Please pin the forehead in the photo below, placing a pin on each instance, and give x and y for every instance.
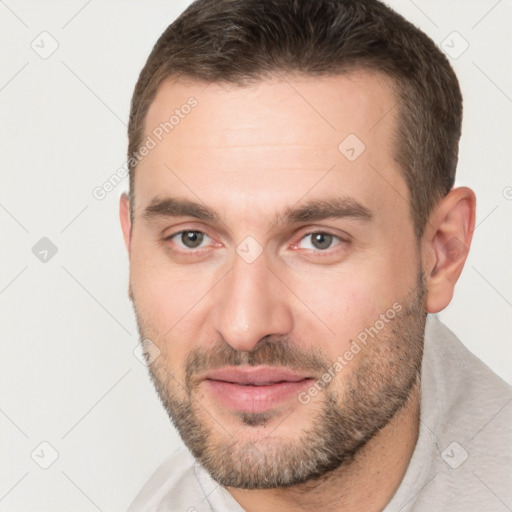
(275, 138)
(328, 106)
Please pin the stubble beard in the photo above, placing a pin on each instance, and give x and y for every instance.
(378, 387)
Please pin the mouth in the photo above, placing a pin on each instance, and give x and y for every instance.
(255, 389)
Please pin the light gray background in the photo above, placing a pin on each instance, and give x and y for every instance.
(69, 376)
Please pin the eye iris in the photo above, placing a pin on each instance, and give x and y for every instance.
(192, 239)
(321, 240)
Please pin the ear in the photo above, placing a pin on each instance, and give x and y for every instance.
(445, 245)
(124, 217)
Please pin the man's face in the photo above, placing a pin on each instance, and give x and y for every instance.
(299, 265)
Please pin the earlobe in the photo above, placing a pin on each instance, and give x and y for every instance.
(447, 241)
(124, 217)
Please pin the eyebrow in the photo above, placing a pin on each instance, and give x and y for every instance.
(174, 207)
(332, 208)
(311, 211)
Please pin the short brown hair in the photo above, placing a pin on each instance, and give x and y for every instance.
(243, 41)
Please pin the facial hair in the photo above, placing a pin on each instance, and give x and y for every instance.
(380, 384)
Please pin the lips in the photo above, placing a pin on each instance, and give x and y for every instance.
(255, 376)
(254, 389)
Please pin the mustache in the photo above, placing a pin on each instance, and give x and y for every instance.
(279, 351)
(269, 352)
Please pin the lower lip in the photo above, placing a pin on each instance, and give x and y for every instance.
(255, 398)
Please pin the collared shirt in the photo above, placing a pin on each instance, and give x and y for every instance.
(462, 461)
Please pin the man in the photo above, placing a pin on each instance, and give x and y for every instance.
(292, 229)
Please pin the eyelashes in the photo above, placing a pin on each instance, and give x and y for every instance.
(193, 241)
(189, 236)
(320, 238)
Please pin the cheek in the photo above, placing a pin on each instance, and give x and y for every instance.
(340, 304)
(334, 307)
(169, 302)
(159, 297)
(166, 318)
(166, 302)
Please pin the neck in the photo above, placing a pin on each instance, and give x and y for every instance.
(367, 483)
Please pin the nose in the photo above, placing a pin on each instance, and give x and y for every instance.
(252, 303)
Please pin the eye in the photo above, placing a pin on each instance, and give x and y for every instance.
(318, 241)
(188, 239)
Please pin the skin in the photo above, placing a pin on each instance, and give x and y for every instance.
(248, 154)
